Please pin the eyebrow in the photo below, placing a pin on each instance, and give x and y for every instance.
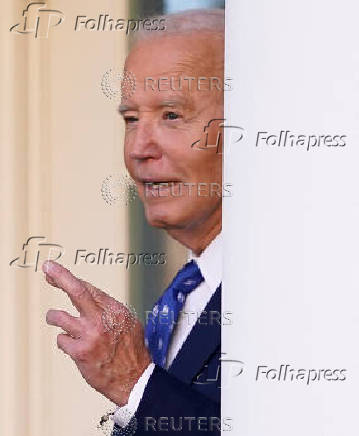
(172, 103)
(166, 103)
(125, 107)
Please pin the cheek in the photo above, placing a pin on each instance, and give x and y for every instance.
(180, 140)
(126, 155)
(206, 165)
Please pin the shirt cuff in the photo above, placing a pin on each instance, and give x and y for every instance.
(123, 415)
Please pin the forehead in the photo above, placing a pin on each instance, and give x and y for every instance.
(160, 64)
(176, 53)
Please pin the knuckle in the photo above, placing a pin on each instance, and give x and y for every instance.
(95, 337)
(51, 316)
(80, 291)
(60, 340)
(82, 352)
(60, 315)
(89, 288)
(79, 355)
(83, 324)
(56, 316)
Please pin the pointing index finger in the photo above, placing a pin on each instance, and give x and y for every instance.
(76, 290)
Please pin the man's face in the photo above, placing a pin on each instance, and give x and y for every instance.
(162, 124)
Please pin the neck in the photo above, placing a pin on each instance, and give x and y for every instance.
(198, 238)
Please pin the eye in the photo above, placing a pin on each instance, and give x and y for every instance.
(170, 115)
(130, 119)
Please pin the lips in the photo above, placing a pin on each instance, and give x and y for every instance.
(161, 188)
(162, 183)
(156, 180)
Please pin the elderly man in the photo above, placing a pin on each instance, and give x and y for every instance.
(165, 377)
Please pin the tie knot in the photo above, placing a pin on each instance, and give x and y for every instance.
(187, 278)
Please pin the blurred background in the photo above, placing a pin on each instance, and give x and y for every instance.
(60, 139)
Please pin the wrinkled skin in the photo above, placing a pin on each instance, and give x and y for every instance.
(110, 361)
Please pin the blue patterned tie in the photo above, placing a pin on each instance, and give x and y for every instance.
(165, 313)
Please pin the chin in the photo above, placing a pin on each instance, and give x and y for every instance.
(166, 216)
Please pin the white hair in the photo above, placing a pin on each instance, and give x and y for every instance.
(198, 20)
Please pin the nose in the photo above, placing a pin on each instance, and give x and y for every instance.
(143, 143)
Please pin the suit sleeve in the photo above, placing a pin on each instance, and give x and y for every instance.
(169, 405)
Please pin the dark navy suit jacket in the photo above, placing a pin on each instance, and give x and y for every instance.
(185, 399)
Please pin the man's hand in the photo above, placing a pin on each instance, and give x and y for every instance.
(106, 341)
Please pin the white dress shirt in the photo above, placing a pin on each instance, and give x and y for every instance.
(210, 264)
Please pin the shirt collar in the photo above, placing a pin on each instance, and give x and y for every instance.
(210, 262)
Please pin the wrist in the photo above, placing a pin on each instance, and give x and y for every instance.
(119, 391)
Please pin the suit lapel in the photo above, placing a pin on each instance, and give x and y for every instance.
(200, 344)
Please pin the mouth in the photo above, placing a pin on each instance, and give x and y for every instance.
(160, 188)
(156, 180)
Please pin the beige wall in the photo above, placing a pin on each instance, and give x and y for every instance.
(60, 137)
